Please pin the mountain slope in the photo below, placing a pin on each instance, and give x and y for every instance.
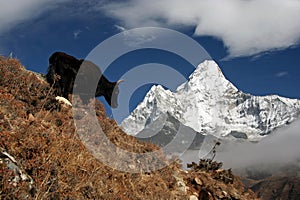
(210, 104)
(43, 157)
(278, 187)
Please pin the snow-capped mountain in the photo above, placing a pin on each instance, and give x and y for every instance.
(210, 104)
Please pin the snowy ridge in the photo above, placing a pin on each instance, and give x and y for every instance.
(210, 104)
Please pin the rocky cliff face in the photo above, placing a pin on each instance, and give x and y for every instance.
(42, 157)
(209, 104)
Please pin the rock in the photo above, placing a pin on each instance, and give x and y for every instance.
(31, 118)
(224, 193)
(193, 197)
(131, 166)
(181, 186)
(198, 181)
(19, 173)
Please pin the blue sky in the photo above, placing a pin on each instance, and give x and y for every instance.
(256, 42)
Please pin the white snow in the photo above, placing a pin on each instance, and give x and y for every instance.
(209, 103)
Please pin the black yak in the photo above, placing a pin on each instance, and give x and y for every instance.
(62, 73)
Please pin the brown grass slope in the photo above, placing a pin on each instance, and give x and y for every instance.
(40, 134)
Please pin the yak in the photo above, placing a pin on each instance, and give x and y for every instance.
(62, 72)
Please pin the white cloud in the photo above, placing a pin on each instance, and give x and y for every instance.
(281, 74)
(76, 34)
(120, 28)
(13, 12)
(246, 27)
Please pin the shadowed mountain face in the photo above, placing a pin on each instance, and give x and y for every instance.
(167, 129)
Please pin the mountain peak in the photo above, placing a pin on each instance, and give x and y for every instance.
(210, 104)
(208, 67)
(208, 78)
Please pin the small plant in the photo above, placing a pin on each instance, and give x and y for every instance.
(214, 149)
(214, 167)
(205, 165)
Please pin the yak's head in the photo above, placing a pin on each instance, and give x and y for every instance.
(110, 91)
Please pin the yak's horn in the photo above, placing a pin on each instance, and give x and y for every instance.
(120, 81)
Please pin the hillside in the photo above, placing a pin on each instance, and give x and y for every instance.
(42, 157)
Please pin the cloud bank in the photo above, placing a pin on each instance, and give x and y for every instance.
(280, 148)
(276, 153)
(246, 27)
